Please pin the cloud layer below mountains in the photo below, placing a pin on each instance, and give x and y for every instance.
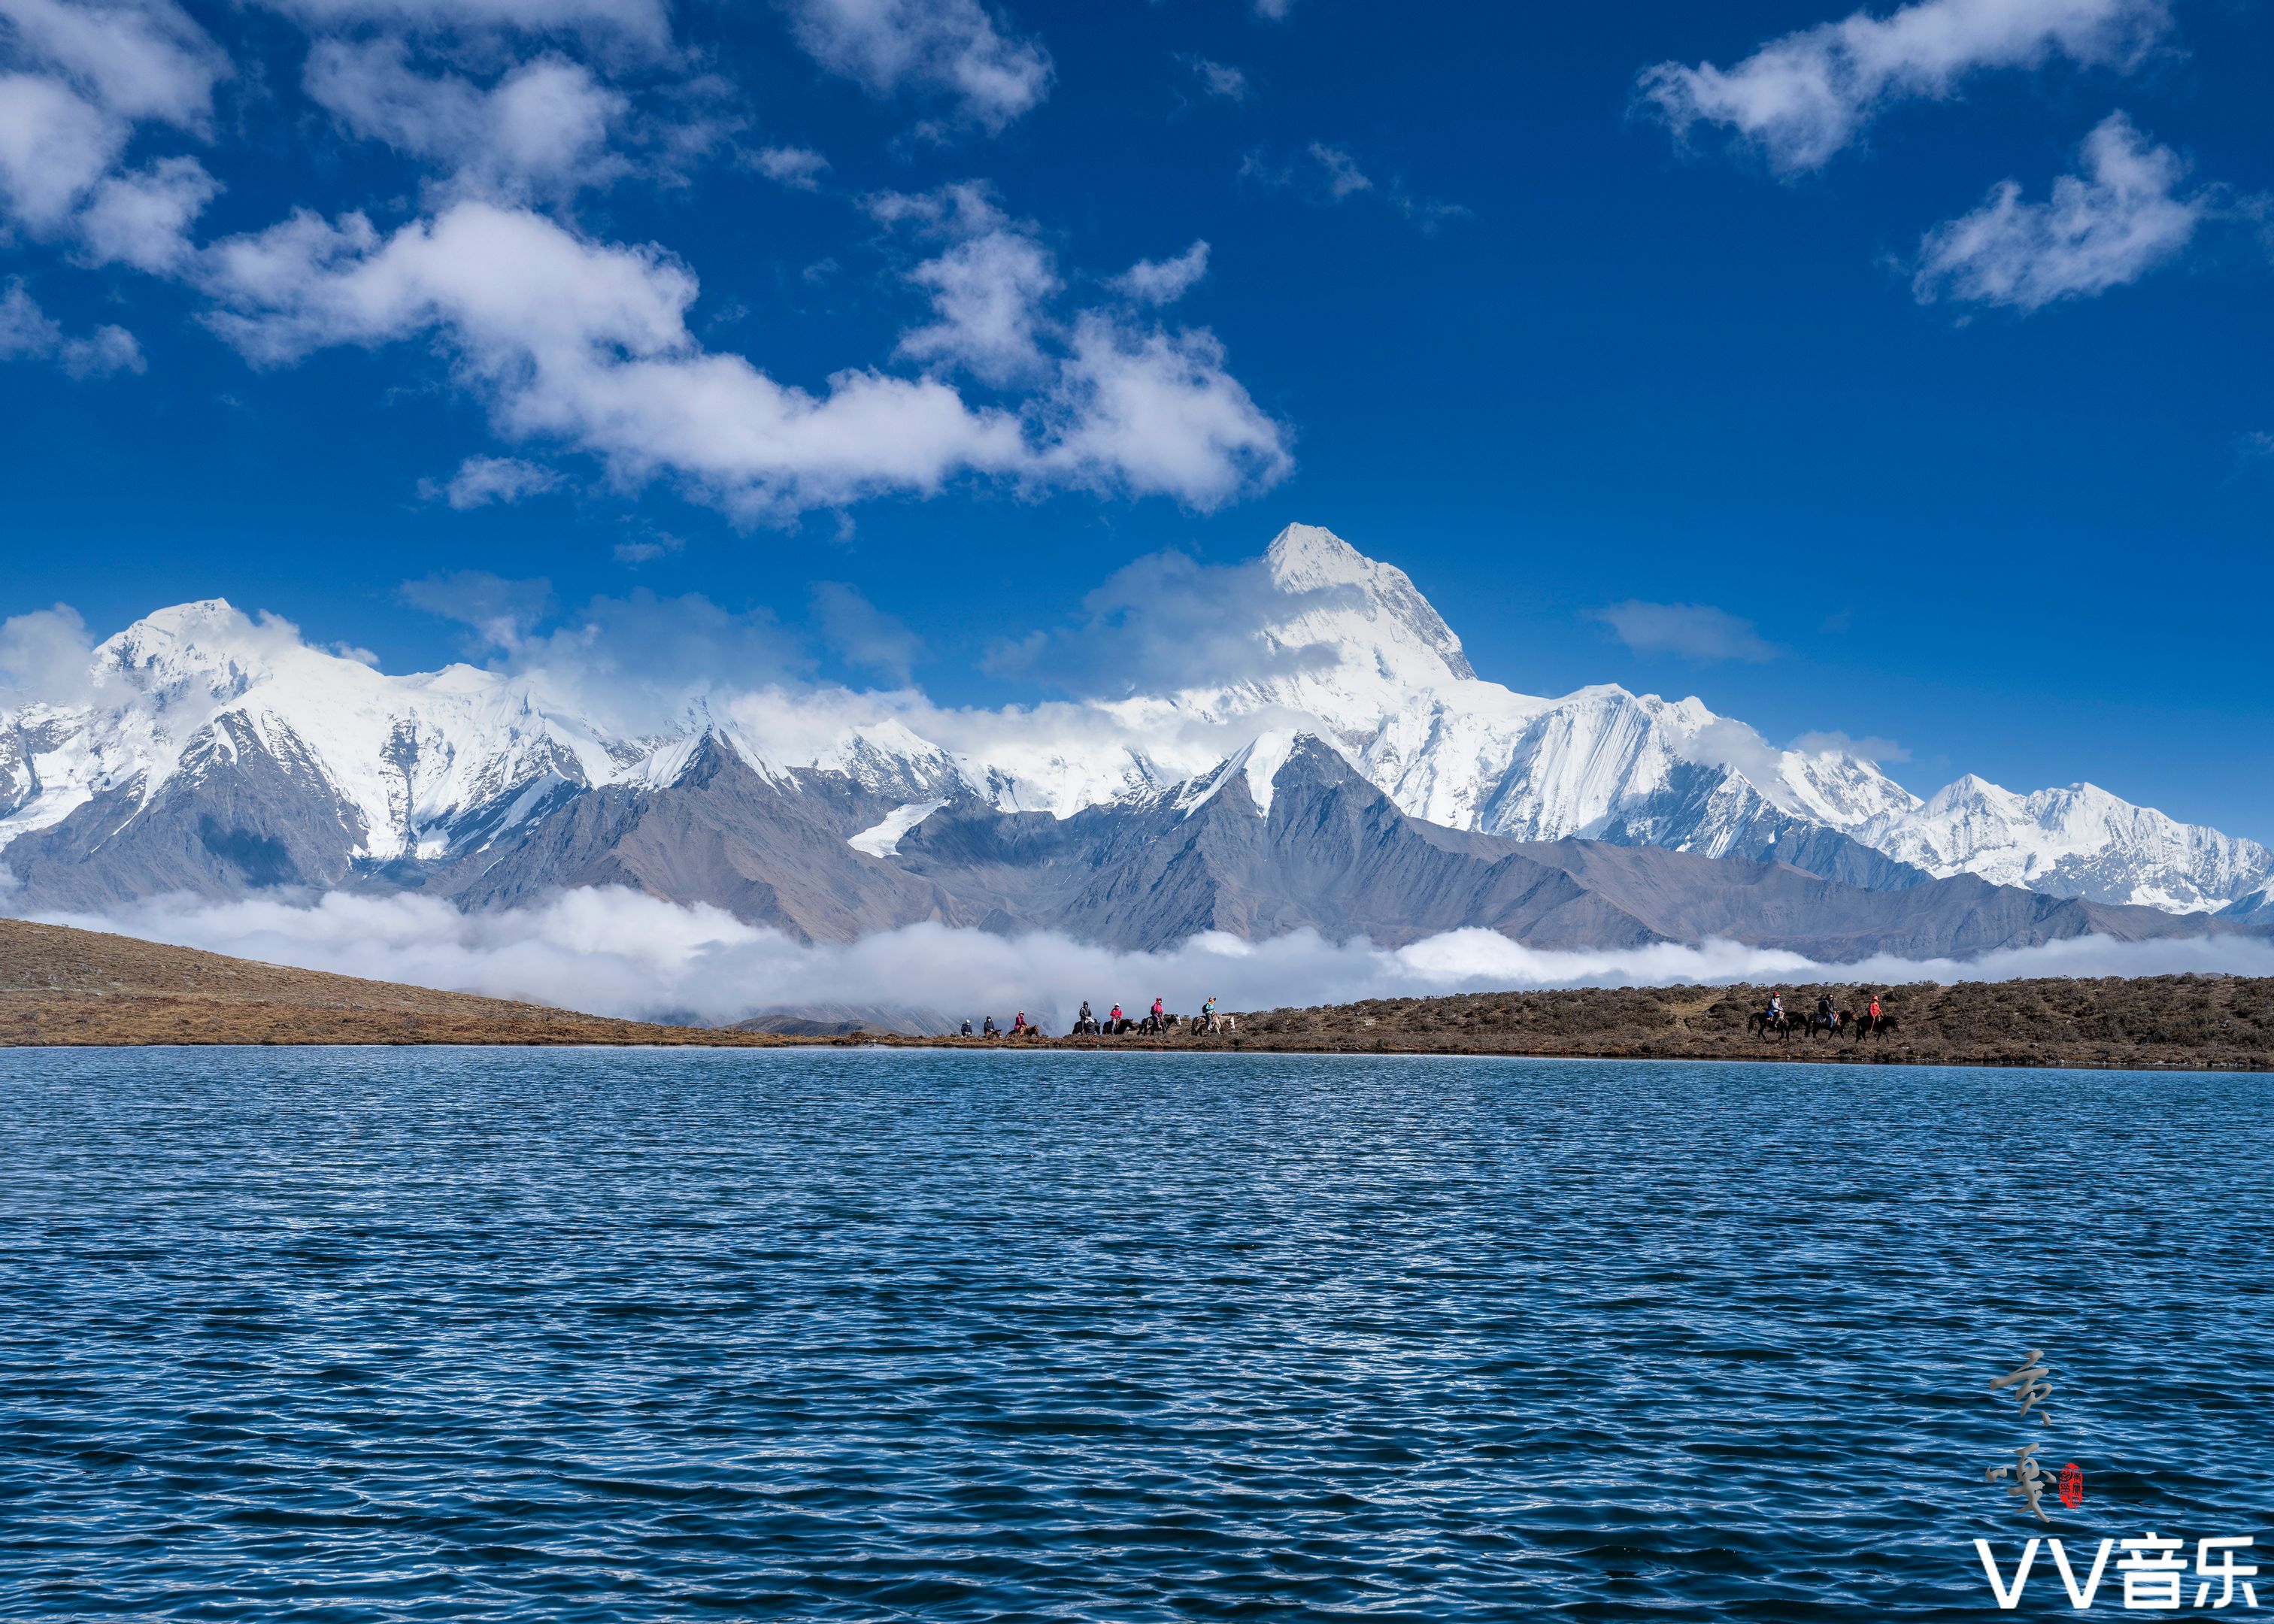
(618, 952)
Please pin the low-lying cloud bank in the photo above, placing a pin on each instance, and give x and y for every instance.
(618, 953)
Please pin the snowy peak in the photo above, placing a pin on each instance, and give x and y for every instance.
(1368, 612)
(1330, 645)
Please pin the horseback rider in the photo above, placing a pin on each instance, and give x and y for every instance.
(1824, 1010)
(1776, 1007)
(1113, 1021)
(1082, 1022)
(1154, 1018)
(1208, 1014)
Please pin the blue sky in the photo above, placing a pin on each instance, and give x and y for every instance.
(1901, 372)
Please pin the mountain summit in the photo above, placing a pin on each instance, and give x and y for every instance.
(209, 751)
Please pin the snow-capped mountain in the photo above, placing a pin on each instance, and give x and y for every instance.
(206, 750)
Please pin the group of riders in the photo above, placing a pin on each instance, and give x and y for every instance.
(1155, 1022)
(1825, 1019)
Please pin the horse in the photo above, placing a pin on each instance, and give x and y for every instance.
(1761, 1023)
(1877, 1029)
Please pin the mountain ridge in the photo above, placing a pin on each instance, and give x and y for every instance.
(212, 752)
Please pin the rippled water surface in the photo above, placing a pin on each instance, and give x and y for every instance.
(372, 1335)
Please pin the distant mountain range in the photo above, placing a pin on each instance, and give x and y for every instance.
(1354, 774)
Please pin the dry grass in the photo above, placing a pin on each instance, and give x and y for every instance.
(2169, 1022)
(81, 987)
(77, 987)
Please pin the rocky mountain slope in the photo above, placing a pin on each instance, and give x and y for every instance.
(207, 752)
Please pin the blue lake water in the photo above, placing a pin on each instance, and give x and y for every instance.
(388, 1335)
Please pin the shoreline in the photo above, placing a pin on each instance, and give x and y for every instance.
(665, 1040)
(66, 988)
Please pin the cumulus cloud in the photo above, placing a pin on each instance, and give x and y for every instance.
(75, 83)
(621, 953)
(481, 480)
(643, 22)
(1158, 413)
(543, 128)
(1691, 631)
(585, 344)
(143, 218)
(953, 50)
(136, 59)
(46, 657)
(798, 168)
(28, 333)
(2122, 218)
(1163, 282)
(1801, 99)
(988, 292)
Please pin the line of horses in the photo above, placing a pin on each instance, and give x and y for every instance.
(1833, 1024)
(1143, 1025)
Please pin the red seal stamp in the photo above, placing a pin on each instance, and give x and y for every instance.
(2072, 1485)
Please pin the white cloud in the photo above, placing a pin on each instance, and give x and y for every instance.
(1693, 631)
(1219, 80)
(54, 146)
(28, 333)
(799, 168)
(1875, 750)
(988, 292)
(637, 21)
(1332, 175)
(543, 128)
(1343, 178)
(1273, 11)
(1157, 413)
(75, 82)
(586, 344)
(1801, 99)
(502, 613)
(621, 953)
(955, 50)
(143, 219)
(1167, 623)
(2110, 226)
(46, 657)
(1163, 282)
(481, 480)
(138, 59)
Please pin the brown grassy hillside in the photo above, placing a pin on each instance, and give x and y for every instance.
(2188, 1022)
(77, 986)
(82, 987)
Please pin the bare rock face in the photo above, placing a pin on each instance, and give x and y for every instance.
(246, 811)
(1328, 759)
(821, 856)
